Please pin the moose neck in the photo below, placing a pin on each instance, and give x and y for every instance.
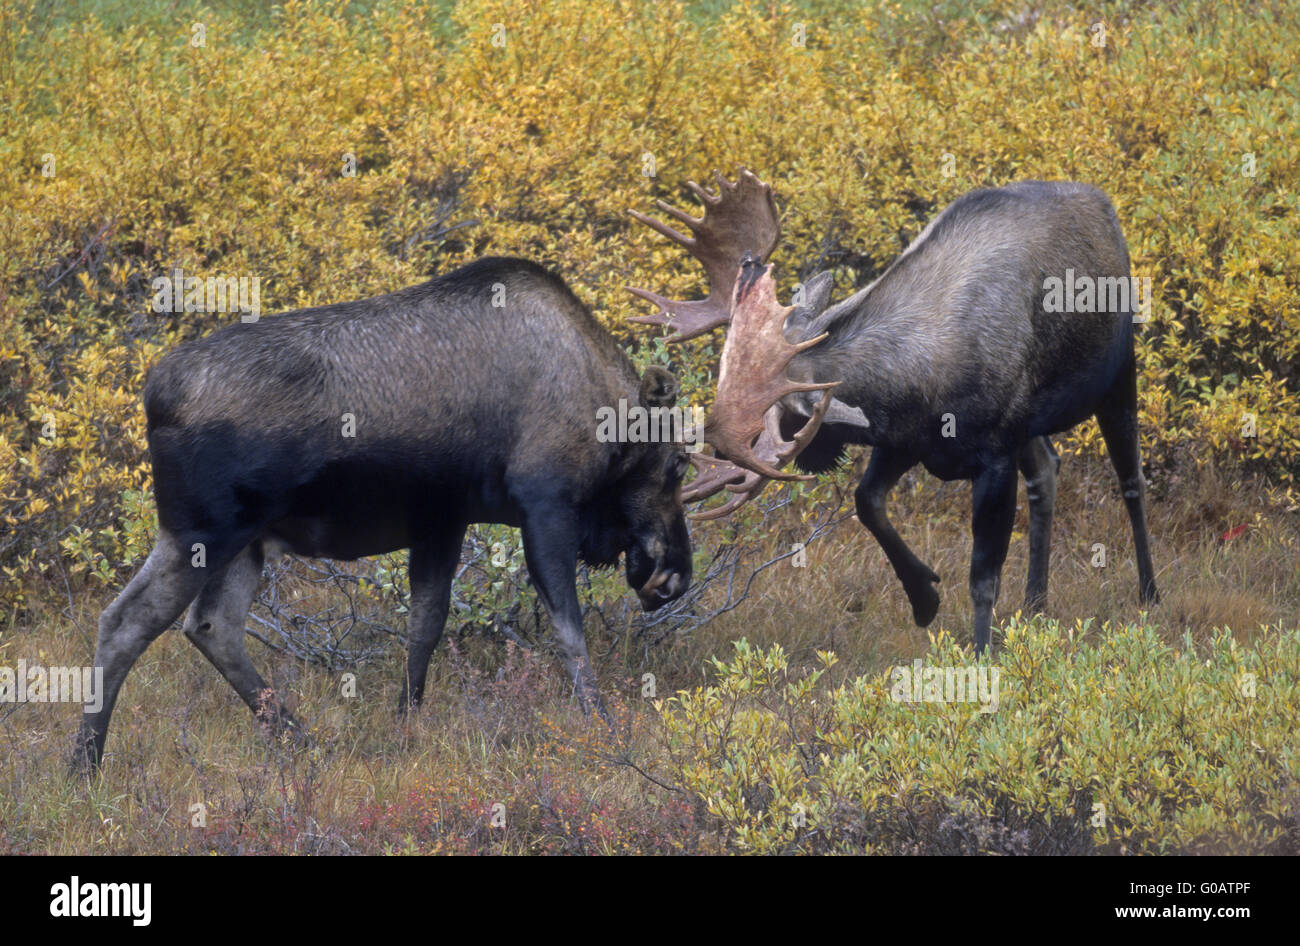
(881, 346)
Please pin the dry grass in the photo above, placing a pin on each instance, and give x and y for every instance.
(498, 728)
(849, 601)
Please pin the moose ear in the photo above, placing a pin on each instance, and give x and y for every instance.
(816, 296)
(658, 387)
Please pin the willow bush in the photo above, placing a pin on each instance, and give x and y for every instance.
(1110, 742)
(335, 154)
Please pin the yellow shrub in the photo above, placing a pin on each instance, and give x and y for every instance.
(126, 151)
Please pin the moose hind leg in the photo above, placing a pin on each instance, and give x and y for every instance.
(883, 471)
(1117, 418)
(432, 568)
(993, 515)
(151, 601)
(1039, 463)
(215, 625)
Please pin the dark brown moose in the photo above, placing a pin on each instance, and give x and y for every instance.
(388, 423)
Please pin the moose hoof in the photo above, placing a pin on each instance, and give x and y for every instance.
(290, 734)
(81, 764)
(925, 601)
(280, 725)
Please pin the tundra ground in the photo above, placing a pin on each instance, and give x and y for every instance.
(499, 760)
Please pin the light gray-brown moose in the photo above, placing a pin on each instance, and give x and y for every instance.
(951, 359)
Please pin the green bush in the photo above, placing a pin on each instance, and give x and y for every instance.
(1110, 742)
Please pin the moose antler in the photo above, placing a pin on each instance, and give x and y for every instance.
(744, 426)
(738, 230)
(739, 220)
(752, 380)
(714, 474)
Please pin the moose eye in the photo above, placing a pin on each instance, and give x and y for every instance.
(679, 465)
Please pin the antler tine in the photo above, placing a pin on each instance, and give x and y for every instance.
(739, 220)
(808, 430)
(754, 464)
(731, 505)
(690, 319)
(705, 197)
(681, 216)
(658, 226)
(714, 475)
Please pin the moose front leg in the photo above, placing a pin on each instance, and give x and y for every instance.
(993, 514)
(550, 532)
(432, 570)
(883, 471)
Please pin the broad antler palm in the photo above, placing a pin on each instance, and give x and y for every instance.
(739, 229)
(739, 220)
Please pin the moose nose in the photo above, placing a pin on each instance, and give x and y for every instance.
(672, 588)
(663, 586)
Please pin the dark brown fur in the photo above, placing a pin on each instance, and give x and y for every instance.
(471, 398)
